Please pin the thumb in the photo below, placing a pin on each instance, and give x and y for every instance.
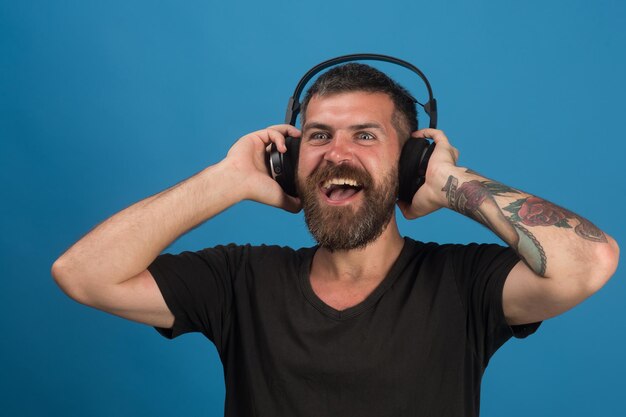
(291, 204)
(405, 209)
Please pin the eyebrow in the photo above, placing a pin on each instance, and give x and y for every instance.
(360, 126)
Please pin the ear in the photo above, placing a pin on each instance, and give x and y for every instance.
(282, 166)
(412, 167)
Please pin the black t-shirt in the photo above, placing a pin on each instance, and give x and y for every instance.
(416, 346)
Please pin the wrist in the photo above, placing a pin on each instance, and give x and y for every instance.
(443, 178)
(224, 181)
(465, 191)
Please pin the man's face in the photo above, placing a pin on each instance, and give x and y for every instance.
(348, 168)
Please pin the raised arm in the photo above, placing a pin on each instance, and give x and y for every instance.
(106, 269)
(565, 257)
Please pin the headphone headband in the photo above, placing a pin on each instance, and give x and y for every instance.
(293, 106)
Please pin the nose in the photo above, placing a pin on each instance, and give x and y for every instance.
(340, 149)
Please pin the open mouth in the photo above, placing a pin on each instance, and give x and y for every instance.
(340, 189)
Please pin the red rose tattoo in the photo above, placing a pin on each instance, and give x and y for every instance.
(534, 211)
(538, 212)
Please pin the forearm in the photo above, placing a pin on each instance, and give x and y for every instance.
(553, 241)
(125, 244)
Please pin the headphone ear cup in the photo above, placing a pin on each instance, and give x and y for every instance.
(412, 167)
(282, 166)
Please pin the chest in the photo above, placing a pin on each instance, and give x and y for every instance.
(342, 295)
(404, 350)
(392, 332)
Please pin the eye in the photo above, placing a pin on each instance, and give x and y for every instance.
(365, 136)
(319, 136)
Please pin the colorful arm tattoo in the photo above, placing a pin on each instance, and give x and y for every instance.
(534, 211)
(475, 199)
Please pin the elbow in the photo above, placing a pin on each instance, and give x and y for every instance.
(603, 265)
(58, 272)
(63, 276)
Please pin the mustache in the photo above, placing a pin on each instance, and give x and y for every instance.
(327, 172)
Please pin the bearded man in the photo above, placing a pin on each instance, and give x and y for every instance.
(366, 323)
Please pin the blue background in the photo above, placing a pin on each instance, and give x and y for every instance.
(105, 103)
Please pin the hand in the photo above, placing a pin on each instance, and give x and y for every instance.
(442, 163)
(247, 157)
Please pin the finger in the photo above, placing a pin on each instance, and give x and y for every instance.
(276, 134)
(269, 136)
(435, 134)
(287, 130)
(278, 138)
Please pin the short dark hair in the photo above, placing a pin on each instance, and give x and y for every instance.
(360, 77)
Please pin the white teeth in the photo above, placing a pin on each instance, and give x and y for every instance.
(340, 181)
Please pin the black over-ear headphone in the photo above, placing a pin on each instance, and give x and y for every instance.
(415, 153)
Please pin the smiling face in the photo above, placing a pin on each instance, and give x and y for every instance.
(347, 168)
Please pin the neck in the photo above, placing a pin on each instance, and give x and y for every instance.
(368, 264)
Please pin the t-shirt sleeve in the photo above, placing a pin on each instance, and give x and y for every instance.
(197, 288)
(481, 272)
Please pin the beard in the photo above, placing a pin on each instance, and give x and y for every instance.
(344, 227)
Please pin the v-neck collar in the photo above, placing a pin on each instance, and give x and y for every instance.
(370, 300)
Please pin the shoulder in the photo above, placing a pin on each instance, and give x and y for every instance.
(457, 250)
(257, 251)
(258, 256)
(468, 259)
